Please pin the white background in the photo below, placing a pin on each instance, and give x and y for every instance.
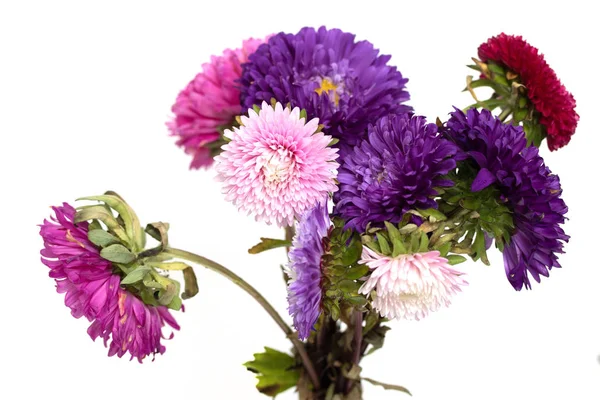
(84, 93)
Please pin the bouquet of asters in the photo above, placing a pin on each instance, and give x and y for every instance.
(313, 132)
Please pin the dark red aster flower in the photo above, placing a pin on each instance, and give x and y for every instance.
(545, 91)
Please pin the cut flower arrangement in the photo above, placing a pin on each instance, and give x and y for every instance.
(314, 132)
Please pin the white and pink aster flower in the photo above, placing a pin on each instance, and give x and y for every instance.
(410, 286)
(276, 165)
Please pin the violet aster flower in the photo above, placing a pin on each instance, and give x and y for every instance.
(500, 152)
(209, 103)
(304, 290)
(344, 83)
(93, 291)
(277, 165)
(410, 286)
(395, 169)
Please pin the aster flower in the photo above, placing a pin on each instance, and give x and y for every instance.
(304, 289)
(395, 169)
(500, 153)
(277, 165)
(209, 104)
(548, 95)
(93, 290)
(409, 286)
(344, 83)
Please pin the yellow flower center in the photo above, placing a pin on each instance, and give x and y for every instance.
(328, 87)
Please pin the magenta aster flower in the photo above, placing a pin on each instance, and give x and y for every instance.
(276, 165)
(410, 286)
(209, 103)
(129, 324)
(92, 289)
(304, 289)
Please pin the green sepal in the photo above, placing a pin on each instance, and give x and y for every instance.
(383, 244)
(102, 214)
(136, 275)
(276, 371)
(130, 219)
(117, 253)
(454, 259)
(101, 238)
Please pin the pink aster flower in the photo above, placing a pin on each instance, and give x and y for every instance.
(410, 286)
(93, 291)
(209, 103)
(276, 165)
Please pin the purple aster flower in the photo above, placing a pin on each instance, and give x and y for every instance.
(344, 83)
(304, 290)
(531, 190)
(93, 291)
(395, 169)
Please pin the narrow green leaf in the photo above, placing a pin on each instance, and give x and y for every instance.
(433, 214)
(136, 275)
(268, 244)
(387, 386)
(454, 259)
(117, 253)
(383, 244)
(169, 293)
(396, 239)
(102, 238)
(424, 245)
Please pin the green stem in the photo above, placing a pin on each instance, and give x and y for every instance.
(504, 114)
(237, 280)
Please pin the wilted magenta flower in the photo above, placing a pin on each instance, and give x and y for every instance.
(410, 286)
(209, 104)
(133, 326)
(92, 289)
(304, 289)
(276, 165)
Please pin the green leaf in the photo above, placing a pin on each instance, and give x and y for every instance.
(396, 239)
(276, 371)
(387, 386)
(454, 259)
(383, 244)
(117, 253)
(167, 295)
(351, 254)
(347, 286)
(159, 231)
(102, 238)
(424, 244)
(357, 272)
(433, 214)
(191, 283)
(268, 244)
(136, 275)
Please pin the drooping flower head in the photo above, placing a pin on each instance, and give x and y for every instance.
(500, 154)
(304, 286)
(276, 165)
(393, 170)
(209, 104)
(410, 286)
(93, 289)
(548, 95)
(344, 83)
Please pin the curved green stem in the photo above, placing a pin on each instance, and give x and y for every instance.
(237, 280)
